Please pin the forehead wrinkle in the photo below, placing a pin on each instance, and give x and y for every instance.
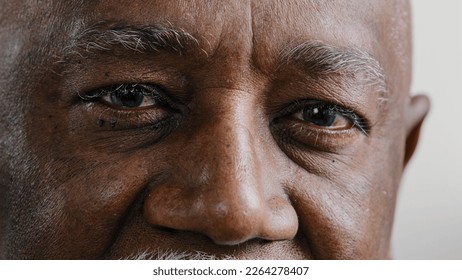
(107, 37)
(323, 59)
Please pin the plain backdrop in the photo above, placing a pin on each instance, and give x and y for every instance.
(428, 222)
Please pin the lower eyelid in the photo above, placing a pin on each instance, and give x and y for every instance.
(314, 137)
(108, 118)
(347, 123)
(112, 131)
(320, 129)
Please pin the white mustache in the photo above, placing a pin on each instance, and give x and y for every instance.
(175, 255)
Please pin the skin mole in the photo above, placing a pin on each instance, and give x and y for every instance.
(101, 122)
(226, 119)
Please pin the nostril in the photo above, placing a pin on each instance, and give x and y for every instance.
(281, 220)
(230, 236)
(230, 223)
(167, 230)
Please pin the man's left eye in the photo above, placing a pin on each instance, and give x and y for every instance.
(131, 96)
(325, 115)
(328, 116)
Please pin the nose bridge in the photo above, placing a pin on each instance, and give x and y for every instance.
(233, 193)
(223, 188)
(222, 145)
(229, 149)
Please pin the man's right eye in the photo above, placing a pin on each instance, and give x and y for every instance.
(128, 106)
(129, 96)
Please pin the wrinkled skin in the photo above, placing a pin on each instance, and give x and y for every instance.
(229, 170)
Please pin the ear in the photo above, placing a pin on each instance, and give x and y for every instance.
(416, 110)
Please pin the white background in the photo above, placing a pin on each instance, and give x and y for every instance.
(318, 270)
(428, 223)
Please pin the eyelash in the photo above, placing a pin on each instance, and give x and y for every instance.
(154, 91)
(357, 121)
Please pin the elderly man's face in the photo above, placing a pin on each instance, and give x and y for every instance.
(250, 129)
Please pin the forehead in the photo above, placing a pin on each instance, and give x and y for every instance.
(257, 28)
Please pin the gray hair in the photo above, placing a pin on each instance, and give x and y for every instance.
(175, 255)
(323, 59)
(104, 36)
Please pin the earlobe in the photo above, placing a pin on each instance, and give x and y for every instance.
(416, 112)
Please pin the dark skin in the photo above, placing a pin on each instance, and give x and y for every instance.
(216, 142)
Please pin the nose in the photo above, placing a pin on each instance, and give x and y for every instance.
(224, 185)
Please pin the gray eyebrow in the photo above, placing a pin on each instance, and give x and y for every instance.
(322, 59)
(104, 36)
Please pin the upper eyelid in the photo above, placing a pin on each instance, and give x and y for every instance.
(100, 92)
(300, 104)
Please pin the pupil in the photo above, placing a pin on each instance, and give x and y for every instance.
(319, 116)
(127, 98)
(131, 99)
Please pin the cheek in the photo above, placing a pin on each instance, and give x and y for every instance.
(79, 193)
(98, 198)
(346, 207)
(80, 202)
